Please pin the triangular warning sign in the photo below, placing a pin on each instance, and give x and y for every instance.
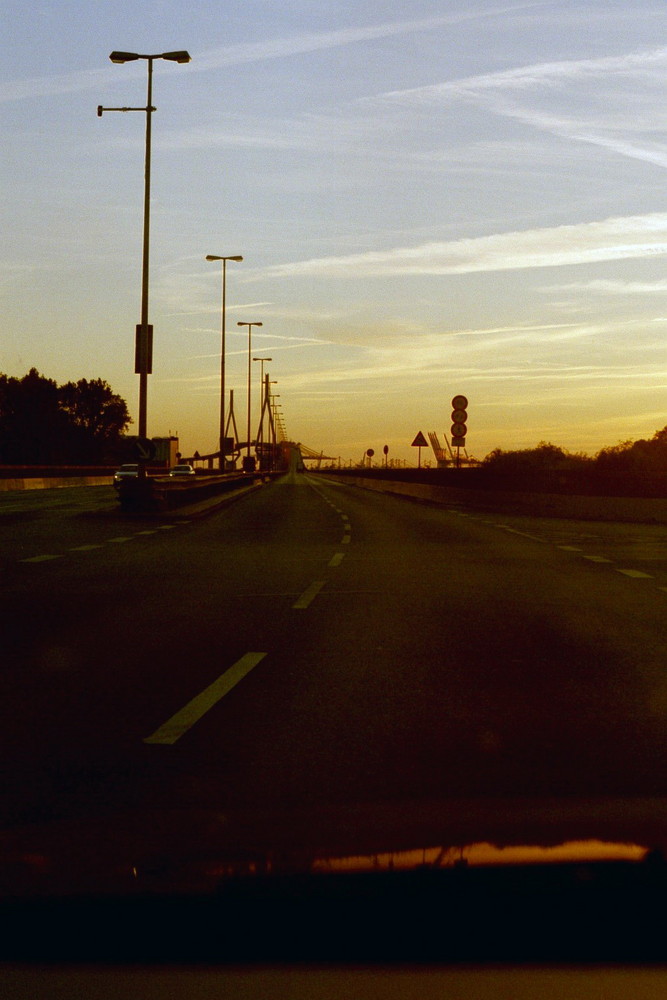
(419, 442)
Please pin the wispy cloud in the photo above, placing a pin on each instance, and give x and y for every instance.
(532, 95)
(281, 48)
(582, 243)
(551, 74)
(604, 286)
(247, 52)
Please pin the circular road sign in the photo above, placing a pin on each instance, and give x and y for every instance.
(459, 430)
(459, 416)
(459, 403)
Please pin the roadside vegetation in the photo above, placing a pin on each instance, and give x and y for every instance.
(638, 457)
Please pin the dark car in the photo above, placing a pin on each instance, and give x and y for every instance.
(182, 470)
(130, 471)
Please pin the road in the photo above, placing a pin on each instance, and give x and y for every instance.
(316, 647)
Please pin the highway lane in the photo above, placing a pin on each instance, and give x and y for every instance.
(51, 522)
(381, 650)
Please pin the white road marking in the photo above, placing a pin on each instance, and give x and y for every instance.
(173, 728)
(151, 531)
(85, 548)
(597, 559)
(570, 548)
(309, 594)
(524, 534)
(635, 574)
(346, 539)
(337, 559)
(121, 538)
(39, 559)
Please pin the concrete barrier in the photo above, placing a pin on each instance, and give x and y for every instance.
(162, 494)
(645, 510)
(53, 482)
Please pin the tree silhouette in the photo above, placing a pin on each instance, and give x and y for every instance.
(97, 415)
(43, 424)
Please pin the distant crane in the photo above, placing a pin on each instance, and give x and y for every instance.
(439, 451)
(309, 455)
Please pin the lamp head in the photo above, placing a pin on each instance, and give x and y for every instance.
(179, 57)
(123, 57)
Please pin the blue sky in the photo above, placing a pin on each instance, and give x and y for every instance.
(430, 197)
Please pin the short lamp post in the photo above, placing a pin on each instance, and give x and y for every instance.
(236, 257)
(260, 435)
(250, 326)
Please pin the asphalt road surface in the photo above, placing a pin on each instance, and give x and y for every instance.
(317, 646)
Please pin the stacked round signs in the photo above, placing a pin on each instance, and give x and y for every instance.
(459, 417)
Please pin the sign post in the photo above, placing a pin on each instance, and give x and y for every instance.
(419, 442)
(459, 428)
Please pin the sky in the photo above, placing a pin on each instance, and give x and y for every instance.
(431, 198)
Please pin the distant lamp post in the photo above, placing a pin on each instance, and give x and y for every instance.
(261, 399)
(236, 257)
(250, 326)
(144, 341)
(272, 402)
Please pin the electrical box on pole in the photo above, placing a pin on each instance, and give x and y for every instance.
(143, 349)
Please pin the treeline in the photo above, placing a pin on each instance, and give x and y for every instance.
(643, 457)
(42, 423)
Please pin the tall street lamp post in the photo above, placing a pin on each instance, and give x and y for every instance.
(250, 326)
(144, 341)
(224, 260)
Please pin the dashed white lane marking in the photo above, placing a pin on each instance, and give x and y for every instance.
(346, 539)
(633, 574)
(524, 534)
(39, 559)
(309, 595)
(116, 541)
(173, 728)
(337, 559)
